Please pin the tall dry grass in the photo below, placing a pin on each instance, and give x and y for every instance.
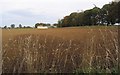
(34, 53)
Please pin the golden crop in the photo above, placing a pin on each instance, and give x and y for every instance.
(60, 50)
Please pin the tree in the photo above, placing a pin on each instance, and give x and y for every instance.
(118, 12)
(113, 14)
(5, 27)
(59, 23)
(37, 24)
(87, 19)
(42, 24)
(95, 16)
(12, 25)
(65, 22)
(79, 19)
(109, 14)
(47, 24)
(20, 26)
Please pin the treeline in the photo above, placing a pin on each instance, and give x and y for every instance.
(109, 14)
(42, 24)
(12, 26)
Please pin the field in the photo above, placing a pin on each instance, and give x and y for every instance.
(61, 50)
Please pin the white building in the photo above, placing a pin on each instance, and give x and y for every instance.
(42, 27)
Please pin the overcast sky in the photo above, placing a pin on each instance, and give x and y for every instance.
(29, 12)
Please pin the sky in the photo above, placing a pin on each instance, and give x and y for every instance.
(30, 12)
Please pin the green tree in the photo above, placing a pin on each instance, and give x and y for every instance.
(105, 14)
(20, 26)
(73, 18)
(109, 14)
(95, 16)
(66, 21)
(79, 19)
(37, 24)
(87, 19)
(113, 14)
(59, 23)
(5, 27)
(118, 12)
(12, 25)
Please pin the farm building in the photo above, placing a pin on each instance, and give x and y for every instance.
(42, 27)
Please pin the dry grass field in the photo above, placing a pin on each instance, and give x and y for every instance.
(61, 50)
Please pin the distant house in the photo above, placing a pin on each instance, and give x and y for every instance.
(117, 24)
(42, 27)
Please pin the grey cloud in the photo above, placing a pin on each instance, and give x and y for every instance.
(25, 13)
(26, 17)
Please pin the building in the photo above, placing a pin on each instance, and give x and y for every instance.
(42, 27)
